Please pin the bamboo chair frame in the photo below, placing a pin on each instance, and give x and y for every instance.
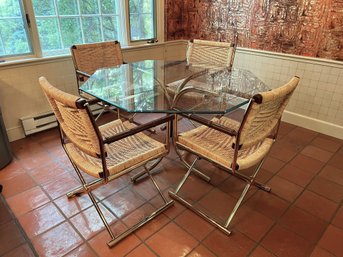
(105, 152)
(234, 146)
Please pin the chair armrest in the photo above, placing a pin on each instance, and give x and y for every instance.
(138, 129)
(81, 74)
(93, 101)
(211, 124)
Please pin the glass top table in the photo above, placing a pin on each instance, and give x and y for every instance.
(155, 86)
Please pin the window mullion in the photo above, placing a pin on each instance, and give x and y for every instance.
(140, 19)
(101, 23)
(80, 18)
(124, 24)
(33, 29)
(58, 23)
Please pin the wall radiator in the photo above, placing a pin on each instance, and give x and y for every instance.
(37, 123)
(44, 121)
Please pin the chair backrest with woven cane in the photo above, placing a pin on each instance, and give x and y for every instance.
(210, 53)
(73, 116)
(105, 152)
(88, 58)
(234, 146)
(263, 114)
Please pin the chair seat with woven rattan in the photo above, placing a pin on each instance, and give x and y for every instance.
(121, 154)
(217, 146)
(105, 152)
(234, 146)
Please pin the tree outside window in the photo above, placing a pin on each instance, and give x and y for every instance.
(14, 39)
(142, 19)
(63, 23)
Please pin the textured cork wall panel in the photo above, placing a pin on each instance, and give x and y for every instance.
(302, 27)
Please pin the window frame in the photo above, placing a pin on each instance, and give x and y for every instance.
(26, 26)
(154, 22)
(33, 35)
(159, 25)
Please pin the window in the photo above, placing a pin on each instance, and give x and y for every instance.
(62, 23)
(142, 19)
(58, 24)
(14, 38)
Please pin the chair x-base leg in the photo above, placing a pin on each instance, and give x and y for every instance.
(142, 174)
(117, 238)
(222, 227)
(147, 218)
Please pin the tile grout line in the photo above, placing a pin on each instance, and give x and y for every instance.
(18, 225)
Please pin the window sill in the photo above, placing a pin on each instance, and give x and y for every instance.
(22, 62)
(48, 59)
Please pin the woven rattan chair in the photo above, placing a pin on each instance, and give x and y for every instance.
(210, 53)
(234, 146)
(105, 152)
(88, 58)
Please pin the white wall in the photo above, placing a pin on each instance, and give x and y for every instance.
(21, 95)
(317, 103)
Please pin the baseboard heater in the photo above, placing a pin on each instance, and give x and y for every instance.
(45, 121)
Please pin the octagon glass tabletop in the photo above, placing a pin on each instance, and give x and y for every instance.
(173, 86)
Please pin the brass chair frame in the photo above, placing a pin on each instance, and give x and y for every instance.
(65, 107)
(266, 133)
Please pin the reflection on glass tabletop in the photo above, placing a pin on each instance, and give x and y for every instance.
(173, 86)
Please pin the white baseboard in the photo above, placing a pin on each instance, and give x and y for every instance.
(313, 124)
(15, 133)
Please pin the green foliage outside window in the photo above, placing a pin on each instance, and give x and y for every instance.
(62, 23)
(12, 29)
(75, 22)
(142, 19)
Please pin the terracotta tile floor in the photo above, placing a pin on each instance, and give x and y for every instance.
(302, 216)
(13, 240)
